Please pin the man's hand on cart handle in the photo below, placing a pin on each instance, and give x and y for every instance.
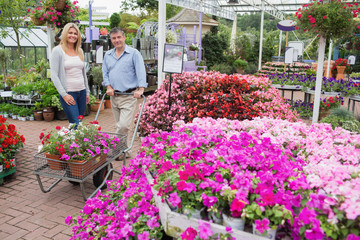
(109, 90)
(139, 92)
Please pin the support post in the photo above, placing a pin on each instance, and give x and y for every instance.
(90, 24)
(51, 38)
(161, 40)
(286, 43)
(319, 75)
(329, 59)
(200, 37)
(233, 35)
(261, 34)
(280, 38)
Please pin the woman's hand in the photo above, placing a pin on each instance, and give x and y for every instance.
(87, 99)
(70, 100)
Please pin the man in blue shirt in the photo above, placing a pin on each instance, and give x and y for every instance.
(123, 71)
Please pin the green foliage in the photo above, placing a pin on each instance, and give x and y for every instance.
(253, 21)
(342, 118)
(47, 97)
(12, 15)
(96, 72)
(215, 46)
(115, 20)
(4, 58)
(240, 63)
(42, 66)
(223, 68)
(310, 72)
(55, 102)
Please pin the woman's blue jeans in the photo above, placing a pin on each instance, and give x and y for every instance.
(74, 111)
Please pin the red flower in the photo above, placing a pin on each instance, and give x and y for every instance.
(324, 17)
(81, 117)
(57, 127)
(41, 135)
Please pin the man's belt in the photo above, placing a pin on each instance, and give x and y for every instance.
(118, 93)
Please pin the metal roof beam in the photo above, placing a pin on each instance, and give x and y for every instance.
(207, 7)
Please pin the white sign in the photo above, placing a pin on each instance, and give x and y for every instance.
(173, 58)
(297, 45)
(100, 54)
(351, 59)
(289, 55)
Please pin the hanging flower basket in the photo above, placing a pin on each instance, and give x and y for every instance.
(37, 21)
(60, 5)
(330, 19)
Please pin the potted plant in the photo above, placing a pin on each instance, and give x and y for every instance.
(48, 110)
(240, 65)
(340, 67)
(11, 141)
(38, 111)
(15, 111)
(329, 103)
(95, 104)
(97, 77)
(83, 148)
(194, 47)
(266, 219)
(22, 113)
(59, 111)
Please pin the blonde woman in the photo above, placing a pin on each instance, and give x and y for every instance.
(68, 73)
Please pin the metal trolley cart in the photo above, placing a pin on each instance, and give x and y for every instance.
(99, 168)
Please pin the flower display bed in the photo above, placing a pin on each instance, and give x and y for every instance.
(175, 224)
(211, 94)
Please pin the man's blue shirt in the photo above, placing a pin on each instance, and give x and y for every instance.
(125, 72)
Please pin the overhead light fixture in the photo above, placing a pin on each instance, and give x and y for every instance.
(233, 1)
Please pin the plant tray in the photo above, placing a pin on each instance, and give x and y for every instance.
(4, 174)
(175, 223)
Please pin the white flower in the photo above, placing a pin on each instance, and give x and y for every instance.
(40, 148)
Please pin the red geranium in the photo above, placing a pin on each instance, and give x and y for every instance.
(10, 142)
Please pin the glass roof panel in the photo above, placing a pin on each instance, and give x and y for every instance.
(32, 37)
(28, 38)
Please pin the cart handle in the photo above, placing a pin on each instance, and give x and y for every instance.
(137, 122)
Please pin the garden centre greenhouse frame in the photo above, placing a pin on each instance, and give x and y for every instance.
(228, 9)
(33, 42)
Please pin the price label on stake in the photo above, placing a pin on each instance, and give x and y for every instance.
(1, 168)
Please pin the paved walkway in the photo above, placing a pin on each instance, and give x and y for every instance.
(28, 213)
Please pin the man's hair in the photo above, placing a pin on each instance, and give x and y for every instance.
(116, 30)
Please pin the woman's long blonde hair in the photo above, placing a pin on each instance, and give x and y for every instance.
(64, 42)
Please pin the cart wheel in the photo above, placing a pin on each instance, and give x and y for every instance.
(99, 177)
(74, 183)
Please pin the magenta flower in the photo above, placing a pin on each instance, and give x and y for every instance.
(153, 223)
(143, 236)
(189, 234)
(68, 220)
(204, 230)
(262, 225)
(236, 207)
(316, 233)
(307, 215)
(174, 199)
(208, 201)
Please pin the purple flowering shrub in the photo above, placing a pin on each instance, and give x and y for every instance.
(215, 95)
